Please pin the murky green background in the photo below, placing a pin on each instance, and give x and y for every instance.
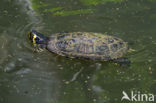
(29, 77)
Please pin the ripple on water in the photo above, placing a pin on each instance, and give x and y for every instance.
(3, 49)
(9, 67)
(35, 20)
(23, 71)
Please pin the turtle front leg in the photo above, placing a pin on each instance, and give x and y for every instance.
(38, 48)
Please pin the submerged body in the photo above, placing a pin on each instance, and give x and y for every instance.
(88, 45)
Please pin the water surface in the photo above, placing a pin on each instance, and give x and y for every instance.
(30, 77)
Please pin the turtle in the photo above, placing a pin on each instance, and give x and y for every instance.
(83, 45)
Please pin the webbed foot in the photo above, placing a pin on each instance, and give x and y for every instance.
(122, 61)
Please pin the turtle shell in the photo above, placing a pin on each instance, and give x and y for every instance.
(87, 45)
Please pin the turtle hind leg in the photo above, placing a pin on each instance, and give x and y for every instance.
(122, 61)
(64, 32)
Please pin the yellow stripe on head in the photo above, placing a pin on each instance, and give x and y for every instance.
(34, 42)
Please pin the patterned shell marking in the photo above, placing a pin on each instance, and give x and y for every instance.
(95, 46)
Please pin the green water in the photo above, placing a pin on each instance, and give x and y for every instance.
(29, 77)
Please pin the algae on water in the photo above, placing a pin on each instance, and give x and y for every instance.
(37, 5)
(53, 9)
(41, 6)
(73, 12)
(95, 2)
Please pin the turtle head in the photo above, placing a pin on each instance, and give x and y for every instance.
(39, 40)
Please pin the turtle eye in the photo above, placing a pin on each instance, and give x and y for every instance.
(37, 39)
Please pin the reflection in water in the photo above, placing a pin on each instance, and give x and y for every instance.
(76, 75)
(34, 19)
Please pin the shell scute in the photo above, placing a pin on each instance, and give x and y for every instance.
(102, 49)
